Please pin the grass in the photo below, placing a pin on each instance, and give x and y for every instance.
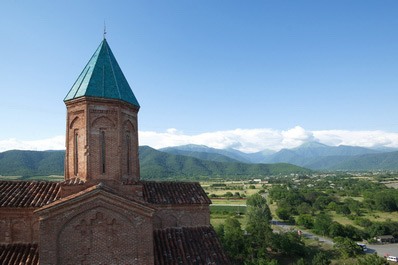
(231, 186)
(381, 216)
(228, 209)
(344, 220)
(215, 222)
(48, 178)
(375, 216)
(9, 177)
(228, 201)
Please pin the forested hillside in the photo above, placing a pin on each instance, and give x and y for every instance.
(154, 165)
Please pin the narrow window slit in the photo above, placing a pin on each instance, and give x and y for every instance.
(76, 154)
(103, 151)
(128, 154)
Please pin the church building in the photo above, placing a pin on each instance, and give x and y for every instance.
(103, 213)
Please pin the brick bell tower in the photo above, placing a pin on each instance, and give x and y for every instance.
(101, 123)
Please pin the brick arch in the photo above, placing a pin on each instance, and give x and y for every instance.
(170, 221)
(3, 229)
(35, 231)
(185, 220)
(73, 122)
(103, 121)
(97, 234)
(128, 126)
(18, 231)
(157, 222)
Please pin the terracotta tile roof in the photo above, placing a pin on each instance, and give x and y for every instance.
(195, 245)
(28, 193)
(18, 254)
(171, 192)
(73, 181)
(93, 189)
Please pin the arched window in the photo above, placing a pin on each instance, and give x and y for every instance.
(76, 141)
(103, 151)
(128, 154)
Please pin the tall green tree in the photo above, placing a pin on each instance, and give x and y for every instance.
(321, 224)
(346, 247)
(258, 227)
(233, 240)
(321, 259)
(289, 243)
(258, 208)
(373, 259)
(305, 220)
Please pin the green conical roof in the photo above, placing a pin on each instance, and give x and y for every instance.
(103, 78)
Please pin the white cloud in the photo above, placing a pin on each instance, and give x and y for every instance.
(357, 138)
(54, 143)
(246, 140)
(254, 140)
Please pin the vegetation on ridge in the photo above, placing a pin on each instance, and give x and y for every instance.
(154, 165)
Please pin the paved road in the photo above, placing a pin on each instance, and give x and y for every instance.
(241, 205)
(304, 233)
(382, 250)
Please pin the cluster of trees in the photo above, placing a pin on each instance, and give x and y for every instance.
(255, 244)
(385, 201)
(228, 195)
(259, 244)
(323, 224)
(305, 202)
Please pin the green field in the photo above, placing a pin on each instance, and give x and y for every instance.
(48, 178)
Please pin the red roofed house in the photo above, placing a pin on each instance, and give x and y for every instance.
(103, 213)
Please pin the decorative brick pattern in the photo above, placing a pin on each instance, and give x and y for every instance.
(96, 226)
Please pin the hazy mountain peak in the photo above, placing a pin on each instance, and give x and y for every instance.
(312, 144)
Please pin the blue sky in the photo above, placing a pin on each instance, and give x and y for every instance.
(203, 70)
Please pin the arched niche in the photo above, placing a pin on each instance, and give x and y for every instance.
(103, 121)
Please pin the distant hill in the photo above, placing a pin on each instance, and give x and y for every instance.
(158, 164)
(191, 164)
(381, 161)
(303, 154)
(154, 165)
(201, 155)
(192, 148)
(31, 163)
(311, 155)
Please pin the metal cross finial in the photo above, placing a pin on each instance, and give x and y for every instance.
(104, 29)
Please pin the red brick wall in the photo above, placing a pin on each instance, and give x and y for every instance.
(75, 124)
(181, 216)
(18, 226)
(96, 230)
(89, 117)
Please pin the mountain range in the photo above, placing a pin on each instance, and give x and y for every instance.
(154, 164)
(312, 155)
(199, 161)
